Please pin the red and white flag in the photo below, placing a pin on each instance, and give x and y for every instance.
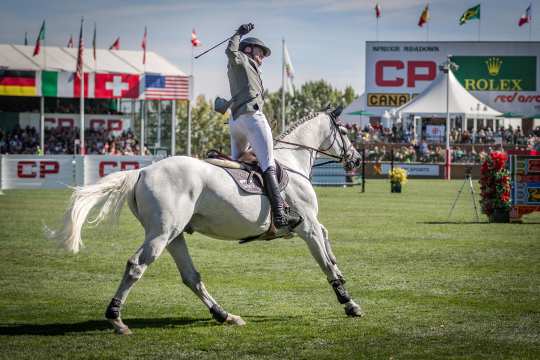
(194, 40)
(525, 18)
(113, 86)
(70, 42)
(377, 11)
(115, 45)
(143, 45)
(80, 54)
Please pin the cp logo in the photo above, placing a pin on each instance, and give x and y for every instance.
(30, 169)
(107, 167)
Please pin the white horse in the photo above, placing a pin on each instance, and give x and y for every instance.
(180, 193)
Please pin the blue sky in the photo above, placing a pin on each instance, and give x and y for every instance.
(326, 39)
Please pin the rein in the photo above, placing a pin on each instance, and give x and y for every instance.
(337, 159)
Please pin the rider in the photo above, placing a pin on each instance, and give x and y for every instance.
(249, 125)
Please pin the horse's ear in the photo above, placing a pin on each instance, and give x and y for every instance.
(334, 114)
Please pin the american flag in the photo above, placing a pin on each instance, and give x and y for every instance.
(163, 87)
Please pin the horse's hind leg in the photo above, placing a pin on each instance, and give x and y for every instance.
(192, 279)
(316, 237)
(135, 268)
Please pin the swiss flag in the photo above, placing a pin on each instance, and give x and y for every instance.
(116, 86)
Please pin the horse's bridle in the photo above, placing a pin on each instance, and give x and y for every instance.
(345, 153)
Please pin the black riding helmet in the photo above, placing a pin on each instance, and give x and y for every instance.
(251, 41)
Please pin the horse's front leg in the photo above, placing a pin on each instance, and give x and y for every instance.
(316, 237)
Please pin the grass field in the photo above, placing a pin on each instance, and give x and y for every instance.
(430, 289)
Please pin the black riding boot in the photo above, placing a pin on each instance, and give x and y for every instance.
(281, 218)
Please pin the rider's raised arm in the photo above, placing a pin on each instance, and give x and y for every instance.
(232, 51)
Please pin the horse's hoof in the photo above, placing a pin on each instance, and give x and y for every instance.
(353, 310)
(119, 327)
(234, 320)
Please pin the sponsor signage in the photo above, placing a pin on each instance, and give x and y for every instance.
(414, 169)
(503, 75)
(98, 166)
(37, 172)
(115, 124)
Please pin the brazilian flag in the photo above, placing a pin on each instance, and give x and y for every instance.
(472, 13)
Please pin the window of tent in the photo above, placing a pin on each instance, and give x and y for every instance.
(470, 124)
(489, 123)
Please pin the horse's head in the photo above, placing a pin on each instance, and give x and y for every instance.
(338, 142)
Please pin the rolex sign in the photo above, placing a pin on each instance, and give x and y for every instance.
(496, 73)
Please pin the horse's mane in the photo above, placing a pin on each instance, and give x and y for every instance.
(296, 124)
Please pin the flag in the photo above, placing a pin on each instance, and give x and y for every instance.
(111, 86)
(525, 18)
(289, 70)
(143, 45)
(162, 87)
(424, 17)
(472, 13)
(25, 38)
(18, 83)
(80, 61)
(70, 42)
(116, 44)
(94, 42)
(40, 38)
(194, 40)
(377, 11)
(65, 84)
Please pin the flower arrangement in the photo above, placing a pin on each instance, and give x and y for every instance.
(398, 175)
(495, 184)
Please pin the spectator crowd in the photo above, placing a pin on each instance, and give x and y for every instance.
(65, 140)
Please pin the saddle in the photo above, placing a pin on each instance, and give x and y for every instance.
(247, 174)
(246, 171)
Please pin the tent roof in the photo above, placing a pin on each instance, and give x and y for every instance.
(433, 100)
(52, 58)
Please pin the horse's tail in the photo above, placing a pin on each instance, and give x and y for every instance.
(109, 194)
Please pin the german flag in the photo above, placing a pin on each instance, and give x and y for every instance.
(18, 83)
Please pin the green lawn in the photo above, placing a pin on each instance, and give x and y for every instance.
(430, 289)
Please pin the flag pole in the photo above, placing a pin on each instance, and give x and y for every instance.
(82, 151)
(190, 103)
(173, 127)
(480, 21)
(283, 84)
(377, 30)
(42, 100)
(427, 31)
(530, 25)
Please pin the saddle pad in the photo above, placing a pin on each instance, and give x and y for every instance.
(252, 182)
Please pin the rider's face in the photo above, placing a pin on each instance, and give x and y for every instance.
(258, 55)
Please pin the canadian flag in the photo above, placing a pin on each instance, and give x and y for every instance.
(116, 85)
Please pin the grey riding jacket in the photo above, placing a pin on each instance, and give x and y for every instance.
(244, 80)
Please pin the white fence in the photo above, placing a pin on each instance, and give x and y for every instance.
(60, 171)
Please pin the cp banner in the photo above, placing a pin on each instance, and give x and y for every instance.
(37, 172)
(98, 166)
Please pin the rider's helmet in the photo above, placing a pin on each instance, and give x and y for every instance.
(251, 41)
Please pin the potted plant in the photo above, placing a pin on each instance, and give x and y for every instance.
(398, 176)
(495, 187)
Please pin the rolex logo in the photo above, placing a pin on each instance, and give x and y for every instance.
(494, 66)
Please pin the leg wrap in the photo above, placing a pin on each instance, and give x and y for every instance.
(342, 294)
(218, 313)
(113, 310)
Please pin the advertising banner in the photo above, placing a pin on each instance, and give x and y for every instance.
(98, 166)
(115, 124)
(414, 169)
(37, 172)
(503, 75)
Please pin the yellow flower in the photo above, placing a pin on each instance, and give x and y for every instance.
(398, 175)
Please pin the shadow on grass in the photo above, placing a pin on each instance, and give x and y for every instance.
(452, 222)
(56, 329)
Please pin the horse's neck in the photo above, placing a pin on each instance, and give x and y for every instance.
(310, 134)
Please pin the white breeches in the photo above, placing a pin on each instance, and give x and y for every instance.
(252, 129)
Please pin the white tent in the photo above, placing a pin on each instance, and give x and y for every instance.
(52, 58)
(358, 104)
(432, 102)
